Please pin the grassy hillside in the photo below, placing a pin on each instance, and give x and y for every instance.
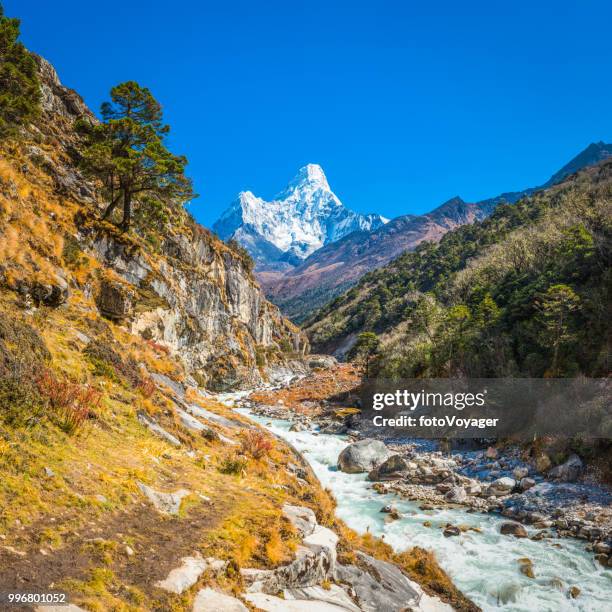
(525, 292)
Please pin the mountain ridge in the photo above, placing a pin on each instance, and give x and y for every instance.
(333, 268)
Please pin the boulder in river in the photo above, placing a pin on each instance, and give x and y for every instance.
(391, 469)
(574, 592)
(363, 456)
(520, 472)
(502, 486)
(513, 529)
(451, 530)
(526, 567)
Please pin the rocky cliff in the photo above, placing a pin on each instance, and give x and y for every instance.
(182, 288)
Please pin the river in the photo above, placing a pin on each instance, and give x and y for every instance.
(483, 565)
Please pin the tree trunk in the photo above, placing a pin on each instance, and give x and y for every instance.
(127, 210)
(109, 209)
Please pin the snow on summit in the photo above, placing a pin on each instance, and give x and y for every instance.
(301, 219)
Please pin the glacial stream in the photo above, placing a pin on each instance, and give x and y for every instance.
(483, 565)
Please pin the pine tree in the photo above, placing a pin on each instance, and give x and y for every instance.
(365, 350)
(556, 308)
(19, 84)
(127, 153)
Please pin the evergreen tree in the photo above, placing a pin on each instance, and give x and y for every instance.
(365, 350)
(556, 309)
(19, 84)
(127, 153)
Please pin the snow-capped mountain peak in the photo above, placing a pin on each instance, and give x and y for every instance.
(306, 215)
(310, 176)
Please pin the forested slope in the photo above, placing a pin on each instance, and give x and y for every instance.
(524, 292)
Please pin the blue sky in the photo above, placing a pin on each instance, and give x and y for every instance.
(404, 104)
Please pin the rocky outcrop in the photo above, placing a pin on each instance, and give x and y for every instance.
(369, 585)
(363, 456)
(191, 294)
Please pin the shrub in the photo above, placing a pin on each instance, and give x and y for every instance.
(71, 403)
(157, 347)
(20, 402)
(233, 465)
(255, 443)
(146, 386)
(22, 350)
(109, 364)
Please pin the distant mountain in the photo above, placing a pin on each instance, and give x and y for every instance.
(281, 233)
(335, 267)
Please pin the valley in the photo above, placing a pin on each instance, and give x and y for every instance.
(184, 423)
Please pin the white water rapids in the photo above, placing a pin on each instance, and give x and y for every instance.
(483, 565)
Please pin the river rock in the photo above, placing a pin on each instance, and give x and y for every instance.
(502, 486)
(393, 468)
(473, 488)
(491, 453)
(363, 456)
(602, 547)
(514, 529)
(298, 426)
(526, 483)
(451, 530)
(526, 567)
(208, 599)
(574, 592)
(456, 495)
(568, 471)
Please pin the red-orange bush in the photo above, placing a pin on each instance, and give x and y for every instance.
(256, 443)
(146, 386)
(157, 347)
(71, 403)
